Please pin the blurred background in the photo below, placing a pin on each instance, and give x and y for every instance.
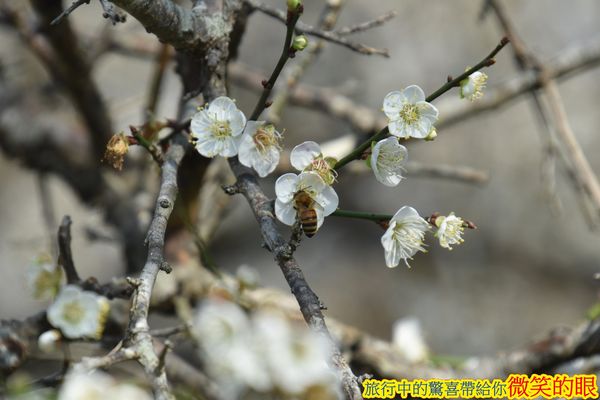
(525, 270)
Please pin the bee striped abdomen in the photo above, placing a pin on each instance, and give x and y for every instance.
(308, 218)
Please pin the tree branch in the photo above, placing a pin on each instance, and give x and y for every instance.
(316, 32)
(309, 303)
(65, 257)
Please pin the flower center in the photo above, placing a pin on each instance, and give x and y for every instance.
(322, 167)
(390, 159)
(73, 312)
(410, 236)
(220, 129)
(410, 114)
(266, 137)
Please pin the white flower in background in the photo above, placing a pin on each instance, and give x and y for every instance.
(407, 337)
(78, 313)
(259, 148)
(96, 385)
(404, 236)
(387, 159)
(288, 185)
(49, 341)
(409, 114)
(43, 278)
(450, 230)
(308, 156)
(296, 358)
(217, 130)
(247, 276)
(220, 323)
(472, 87)
(224, 332)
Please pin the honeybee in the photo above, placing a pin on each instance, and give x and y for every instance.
(305, 207)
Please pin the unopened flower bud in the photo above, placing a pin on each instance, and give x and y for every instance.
(300, 43)
(49, 340)
(293, 4)
(432, 135)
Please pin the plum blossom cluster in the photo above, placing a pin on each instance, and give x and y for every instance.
(411, 116)
(307, 197)
(261, 354)
(221, 129)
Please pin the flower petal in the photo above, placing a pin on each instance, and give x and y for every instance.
(390, 247)
(398, 128)
(285, 212)
(328, 199)
(237, 122)
(266, 163)
(286, 186)
(310, 181)
(252, 126)
(303, 154)
(221, 107)
(405, 212)
(393, 103)
(428, 110)
(414, 94)
(247, 150)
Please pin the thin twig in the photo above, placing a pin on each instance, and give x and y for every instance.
(293, 73)
(309, 30)
(586, 181)
(162, 59)
(486, 62)
(75, 5)
(65, 257)
(382, 19)
(285, 55)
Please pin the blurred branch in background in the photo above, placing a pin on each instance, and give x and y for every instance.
(584, 179)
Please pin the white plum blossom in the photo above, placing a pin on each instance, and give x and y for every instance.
(217, 129)
(409, 114)
(450, 230)
(262, 352)
(296, 358)
(43, 278)
(404, 236)
(387, 159)
(259, 147)
(407, 338)
(288, 185)
(224, 332)
(96, 385)
(78, 313)
(472, 87)
(307, 156)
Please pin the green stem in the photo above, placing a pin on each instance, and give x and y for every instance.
(362, 215)
(285, 55)
(486, 62)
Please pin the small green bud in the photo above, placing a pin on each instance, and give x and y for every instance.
(293, 4)
(300, 43)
